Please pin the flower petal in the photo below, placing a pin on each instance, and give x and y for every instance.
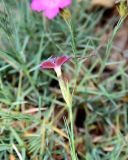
(51, 4)
(47, 65)
(37, 5)
(51, 13)
(61, 60)
(65, 3)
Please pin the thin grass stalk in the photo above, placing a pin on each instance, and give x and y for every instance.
(110, 42)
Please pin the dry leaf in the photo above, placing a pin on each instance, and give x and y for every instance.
(108, 149)
(12, 157)
(125, 99)
(118, 1)
(103, 3)
(97, 139)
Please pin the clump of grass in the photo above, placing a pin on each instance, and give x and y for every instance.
(31, 107)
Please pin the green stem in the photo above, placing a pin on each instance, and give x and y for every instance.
(109, 45)
(62, 87)
(73, 44)
(72, 134)
(61, 82)
(68, 99)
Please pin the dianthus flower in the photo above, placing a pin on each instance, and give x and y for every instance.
(56, 63)
(50, 7)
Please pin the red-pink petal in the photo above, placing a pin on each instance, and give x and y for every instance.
(61, 60)
(47, 65)
(37, 5)
(65, 3)
(51, 12)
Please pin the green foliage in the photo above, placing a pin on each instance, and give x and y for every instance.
(31, 109)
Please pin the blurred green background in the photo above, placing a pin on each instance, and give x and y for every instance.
(31, 104)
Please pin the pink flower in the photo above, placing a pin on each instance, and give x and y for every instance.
(50, 7)
(54, 62)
